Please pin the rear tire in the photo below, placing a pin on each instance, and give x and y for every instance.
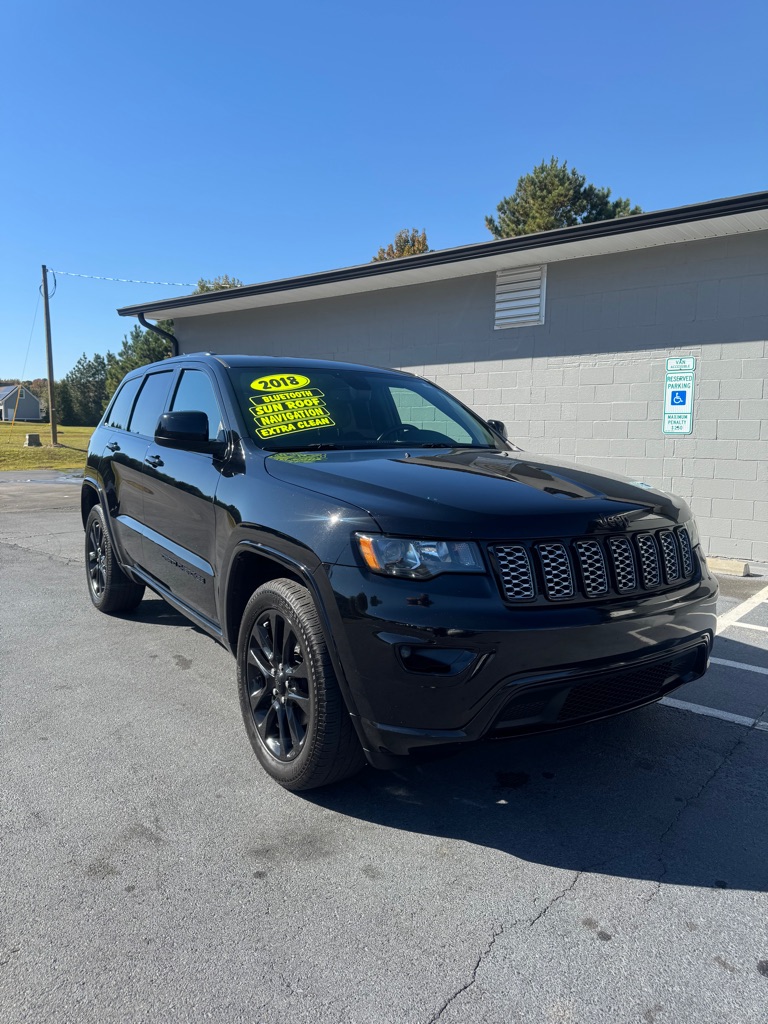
(110, 589)
(293, 710)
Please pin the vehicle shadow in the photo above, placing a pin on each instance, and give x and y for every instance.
(154, 609)
(656, 794)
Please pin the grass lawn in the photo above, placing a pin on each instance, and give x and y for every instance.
(69, 454)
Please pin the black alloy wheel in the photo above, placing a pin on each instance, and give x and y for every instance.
(293, 710)
(96, 554)
(109, 588)
(278, 685)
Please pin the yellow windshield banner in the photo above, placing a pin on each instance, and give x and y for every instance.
(288, 409)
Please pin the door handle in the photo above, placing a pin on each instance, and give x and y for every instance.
(113, 446)
(154, 461)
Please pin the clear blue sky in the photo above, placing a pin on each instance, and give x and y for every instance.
(169, 141)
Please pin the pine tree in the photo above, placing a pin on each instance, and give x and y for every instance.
(406, 243)
(552, 196)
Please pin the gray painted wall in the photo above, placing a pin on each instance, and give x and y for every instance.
(588, 383)
(28, 407)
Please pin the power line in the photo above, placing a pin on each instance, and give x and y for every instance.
(126, 280)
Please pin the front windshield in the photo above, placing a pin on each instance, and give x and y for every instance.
(311, 407)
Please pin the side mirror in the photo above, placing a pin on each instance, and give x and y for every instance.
(187, 430)
(498, 427)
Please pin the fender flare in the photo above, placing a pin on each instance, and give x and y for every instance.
(102, 500)
(308, 579)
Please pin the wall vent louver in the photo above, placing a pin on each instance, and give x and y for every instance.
(520, 297)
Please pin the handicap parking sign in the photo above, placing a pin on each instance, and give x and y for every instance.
(678, 402)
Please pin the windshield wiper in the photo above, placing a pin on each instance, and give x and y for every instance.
(325, 446)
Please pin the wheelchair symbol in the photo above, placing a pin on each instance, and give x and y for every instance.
(679, 397)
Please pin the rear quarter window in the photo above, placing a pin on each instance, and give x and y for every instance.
(120, 411)
(150, 404)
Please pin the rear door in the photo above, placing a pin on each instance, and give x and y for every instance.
(121, 468)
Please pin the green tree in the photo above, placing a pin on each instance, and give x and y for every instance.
(552, 196)
(218, 284)
(139, 348)
(406, 243)
(65, 408)
(87, 389)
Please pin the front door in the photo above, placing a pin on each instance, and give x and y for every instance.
(179, 511)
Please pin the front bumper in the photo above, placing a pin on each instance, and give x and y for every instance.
(452, 663)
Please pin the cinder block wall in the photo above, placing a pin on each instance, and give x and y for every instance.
(605, 410)
(588, 384)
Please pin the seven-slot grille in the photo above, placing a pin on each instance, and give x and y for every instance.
(595, 566)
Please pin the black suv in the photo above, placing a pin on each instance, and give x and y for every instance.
(391, 573)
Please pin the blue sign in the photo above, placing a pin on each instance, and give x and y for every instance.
(679, 398)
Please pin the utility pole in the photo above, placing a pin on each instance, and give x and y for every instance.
(49, 352)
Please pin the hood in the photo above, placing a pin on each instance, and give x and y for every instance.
(483, 494)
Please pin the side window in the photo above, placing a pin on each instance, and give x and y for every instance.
(151, 403)
(120, 410)
(413, 409)
(195, 394)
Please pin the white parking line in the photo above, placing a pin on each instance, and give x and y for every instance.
(726, 716)
(731, 618)
(740, 665)
(742, 609)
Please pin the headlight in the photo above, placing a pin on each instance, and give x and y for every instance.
(693, 536)
(417, 559)
(693, 532)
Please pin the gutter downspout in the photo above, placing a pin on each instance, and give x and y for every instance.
(159, 330)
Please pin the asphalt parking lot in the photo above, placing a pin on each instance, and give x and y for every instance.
(151, 871)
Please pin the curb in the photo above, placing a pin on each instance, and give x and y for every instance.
(728, 566)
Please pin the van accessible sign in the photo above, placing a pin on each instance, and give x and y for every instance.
(678, 395)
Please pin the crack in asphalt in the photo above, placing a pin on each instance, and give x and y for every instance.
(740, 739)
(762, 716)
(27, 510)
(593, 866)
(59, 559)
(556, 899)
(483, 956)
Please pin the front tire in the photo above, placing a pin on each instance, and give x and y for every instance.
(110, 589)
(293, 710)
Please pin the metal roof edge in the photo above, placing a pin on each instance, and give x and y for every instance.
(440, 257)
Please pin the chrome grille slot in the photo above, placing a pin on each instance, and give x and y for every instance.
(623, 564)
(592, 565)
(556, 570)
(669, 555)
(516, 572)
(685, 550)
(650, 570)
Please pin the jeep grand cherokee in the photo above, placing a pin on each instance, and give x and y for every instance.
(391, 573)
